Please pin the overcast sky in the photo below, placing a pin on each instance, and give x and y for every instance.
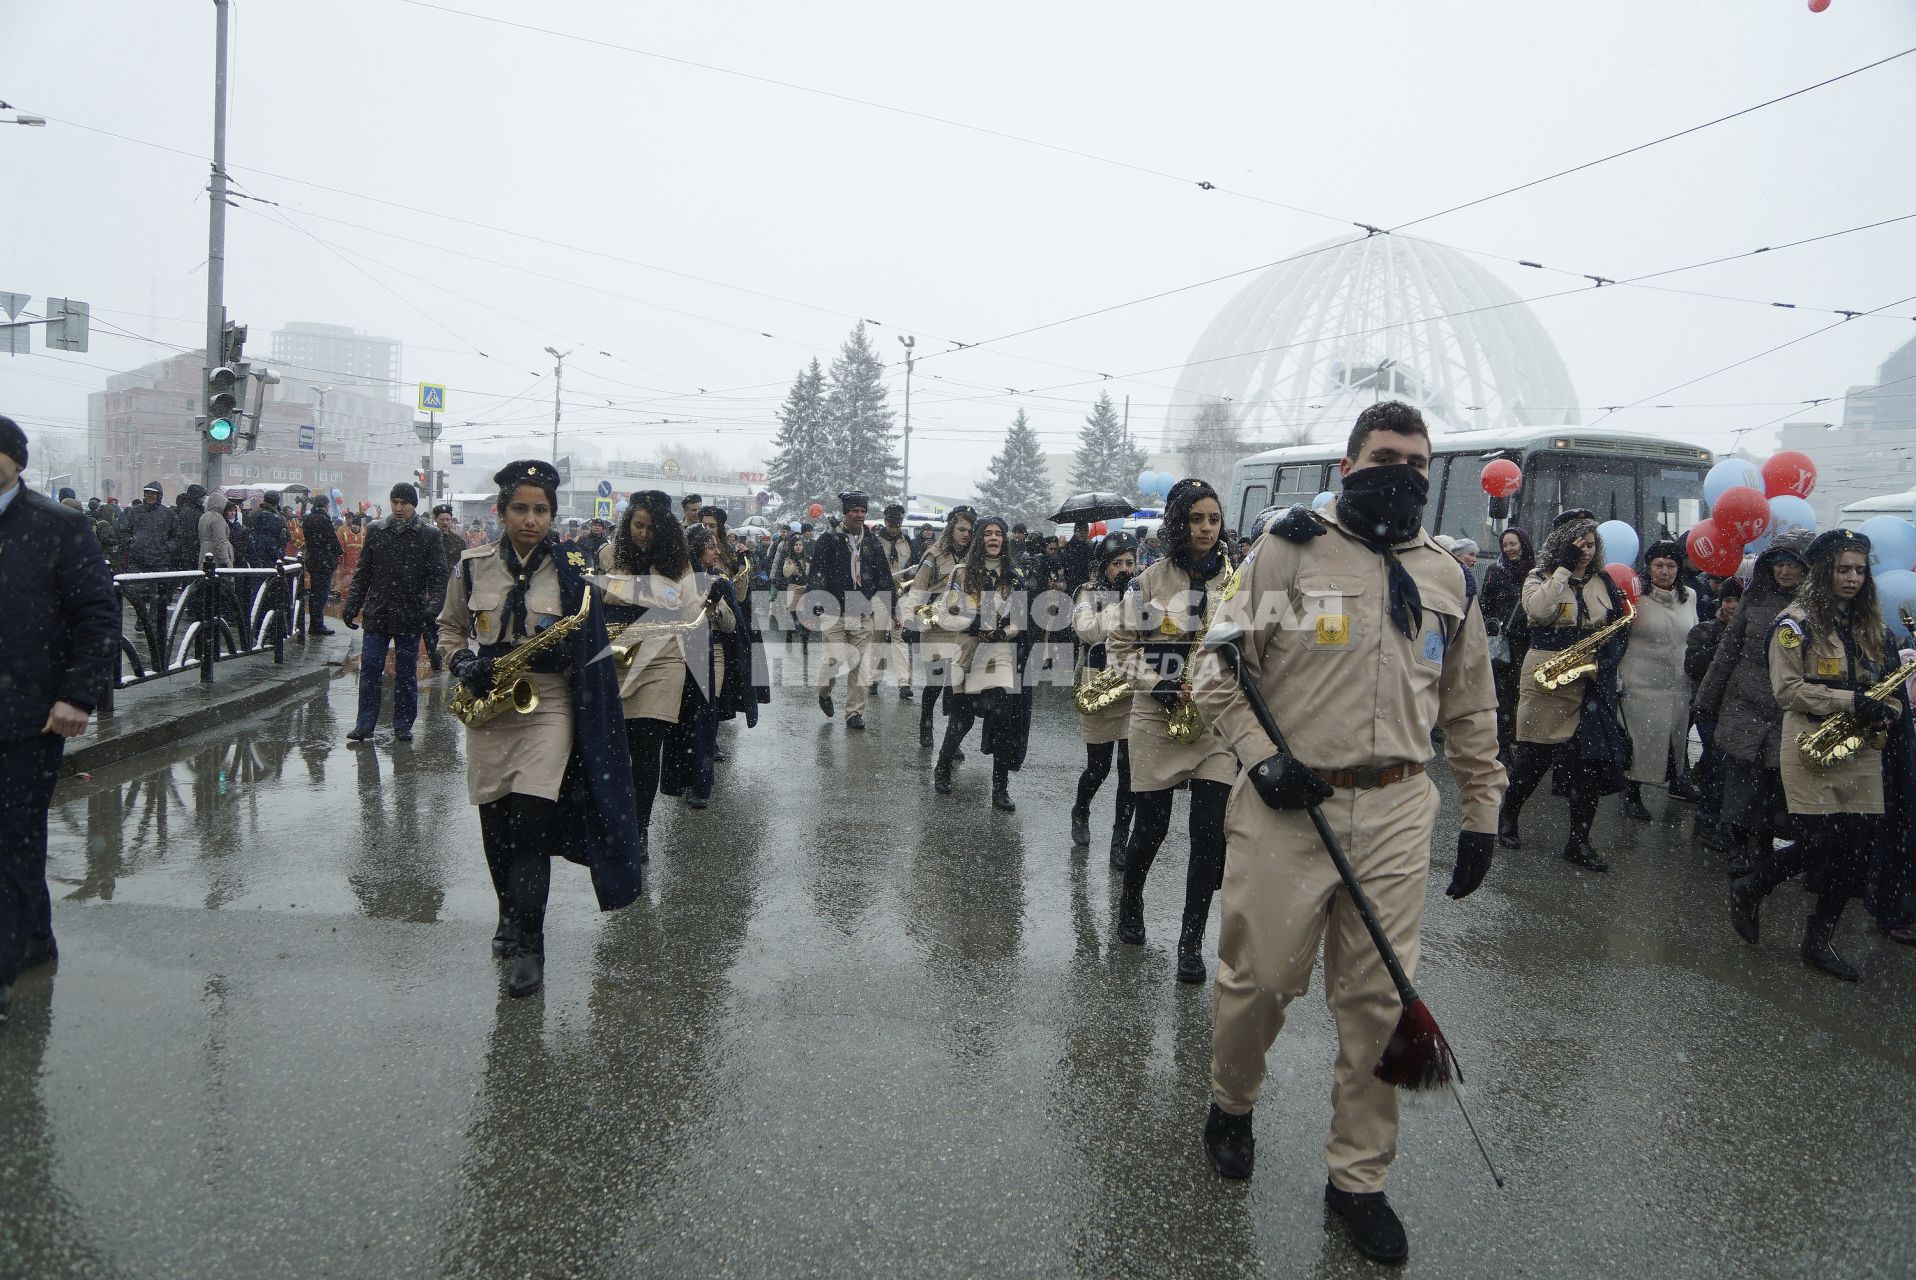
(672, 215)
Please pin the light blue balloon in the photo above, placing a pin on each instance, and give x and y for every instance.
(1790, 514)
(1894, 590)
(1620, 542)
(1165, 483)
(1892, 543)
(1762, 544)
(1147, 482)
(1323, 500)
(1727, 475)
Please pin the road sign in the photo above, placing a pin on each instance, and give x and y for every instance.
(309, 437)
(14, 341)
(71, 320)
(432, 397)
(427, 431)
(458, 454)
(670, 466)
(605, 488)
(12, 303)
(602, 508)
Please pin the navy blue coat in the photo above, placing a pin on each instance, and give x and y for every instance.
(62, 622)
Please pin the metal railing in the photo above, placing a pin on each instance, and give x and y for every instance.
(194, 619)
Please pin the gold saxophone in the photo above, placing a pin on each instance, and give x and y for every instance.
(1842, 735)
(512, 687)
(626, 640)
(1580, 659)
(1186, 725)
(1103, 690)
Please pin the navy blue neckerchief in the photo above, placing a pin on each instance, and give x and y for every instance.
(598, 805)
(1406, 602)
(512, 614)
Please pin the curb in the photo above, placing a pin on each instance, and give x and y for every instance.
(100, 752)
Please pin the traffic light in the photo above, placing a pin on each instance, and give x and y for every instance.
(439, 484)
(419, 483)
(232, 344)
(222, 405)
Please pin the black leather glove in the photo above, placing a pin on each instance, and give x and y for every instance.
(351, 622)
(1871, 710)
(713, 592)
(471, 670)
(551, 661)
(1167, 693)
(1473, 860)
(1283, 783)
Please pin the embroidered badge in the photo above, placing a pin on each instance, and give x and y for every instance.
(1566, 612)
(1434, 648)
(1827, 666)
(668, 596)
(1168, 626)
(575, 558)
(1790, 638)
(1334, 628)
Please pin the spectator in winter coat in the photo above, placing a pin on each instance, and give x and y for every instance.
(452, 545)
(266, 537)
(214, 537)
(400, 583)
(1077, 555)
(68, 498)
(149, 533)
(321, 556)
(186, 527)
(591, 540)
(106, 528)
(1699, 650)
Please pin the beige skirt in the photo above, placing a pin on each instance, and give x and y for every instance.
(1112, 724)
(526, 755)
(1158, 763)
(1546, 716)
(651, 687)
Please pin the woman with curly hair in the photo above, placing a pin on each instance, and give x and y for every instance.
(1827, 648)
(937, 652)
(1577, 726)
(1097, 609)
(982, 604)
(1166, 607)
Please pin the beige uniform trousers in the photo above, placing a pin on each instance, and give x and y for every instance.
(848, 649)
(1282, 899)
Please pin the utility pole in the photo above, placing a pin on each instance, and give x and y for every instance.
(558, 375)
(216, 229)
(904, 495)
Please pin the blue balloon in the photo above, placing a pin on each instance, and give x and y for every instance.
(1323, 500)
(1727, 475)
(1790, 514)
(1896, 590)
(1165, 481)
(1620, 542)
(1147, 482)
(1892, 543)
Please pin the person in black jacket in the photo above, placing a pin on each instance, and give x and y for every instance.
(186, 527)
(1077, 557)
(1699, 650)
(401, 585)
(1498, 599)
(322, 560)
(267, 535)
(62, 629)
(849, 564)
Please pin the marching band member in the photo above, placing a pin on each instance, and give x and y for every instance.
(1566, 598)
(555, 780)
(648, 567)
(1096, 611)
(898, 557)
(1828, 647)
(848, 564)
(1165, 609)
(691, 743)
(936, 650)
(982, 602)
(790, 571)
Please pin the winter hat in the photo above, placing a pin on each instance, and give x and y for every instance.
(194, 493)
(153, 486)
(404, 492)
(13, 441)
(1465, 547)
(1828, 545)
(445, 509)
(66, 493)
(894, 509)
(853, 498)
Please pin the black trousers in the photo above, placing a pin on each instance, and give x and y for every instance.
(28, 769)
(317, 597)
(1097, 767)
(644, 739)
(1834, 848)
(1530, 761)
(1151, 821)
(521, 836)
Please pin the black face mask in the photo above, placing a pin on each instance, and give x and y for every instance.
(1384, 505)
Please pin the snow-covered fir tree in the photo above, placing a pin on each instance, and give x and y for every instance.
(859, 421)
(1017, 485)
(801, 455)
(1106, 457)
(1215, 445)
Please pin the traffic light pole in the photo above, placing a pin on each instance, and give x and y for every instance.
(216, 230)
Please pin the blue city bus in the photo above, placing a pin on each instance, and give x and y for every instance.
(1652, 484)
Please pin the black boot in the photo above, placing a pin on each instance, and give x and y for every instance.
(6, 1004)
(941, 772)
(1230, 1143)
(1081, 810)
(925, 739)
(1577, 849)
(528, 965)
(1819, 949)
(1507, 828)
(1374, 1225)
(1119, 835)
(1742, 857)
(1001, 789)
(1747, 892)
(1633, 804)
(1191, 942)
(1137, 865)
(1709, 834)
(504, 937)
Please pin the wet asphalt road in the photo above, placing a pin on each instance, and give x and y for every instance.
(857, 1029)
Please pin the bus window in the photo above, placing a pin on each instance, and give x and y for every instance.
(1256, 498)
(1672, 500)
(1298, 479)
(1463, 514)
(1605, 486)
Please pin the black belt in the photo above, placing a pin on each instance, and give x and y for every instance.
(1369, 776)
(496, 650)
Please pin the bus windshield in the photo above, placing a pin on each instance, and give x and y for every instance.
(1612, 488)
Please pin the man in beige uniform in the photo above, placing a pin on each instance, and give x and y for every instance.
(1356, 630)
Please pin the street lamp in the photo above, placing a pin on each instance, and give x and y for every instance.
(558, 376)
(908, 342)
(32, 122)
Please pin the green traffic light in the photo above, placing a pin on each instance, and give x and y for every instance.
(219, 430)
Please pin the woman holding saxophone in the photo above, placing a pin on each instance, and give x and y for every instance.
(1568, 602)
(1830, 663)
(1166, 610)
(545, 759)
(648, 570)
(982, 605)
(937, 651)
(1094, 614)
(691, 741)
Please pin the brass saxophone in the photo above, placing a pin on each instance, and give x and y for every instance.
(1186, 725)
(1580, 659)
(512, 686)
(1103, 690)
(1842, 735)
(625, 642)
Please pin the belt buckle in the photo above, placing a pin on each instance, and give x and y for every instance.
(1366, 777)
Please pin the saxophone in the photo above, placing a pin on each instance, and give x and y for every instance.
(1186, 725)
(1580, 659)
(625, 642)
(1104, 690)
(1842, 735)
(512, 687)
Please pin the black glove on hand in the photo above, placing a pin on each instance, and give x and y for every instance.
(1283, 783)
(1166, 692)
(1473, 860)
(471, 670)
(352, 623)
(1871, 710)
(713, 592)
(551, 661)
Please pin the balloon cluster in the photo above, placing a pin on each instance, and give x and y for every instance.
(1099, 528)
(1750, 506)
(1156, 484)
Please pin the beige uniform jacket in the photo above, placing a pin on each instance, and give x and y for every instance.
(651, 687)
(981, 664)
(1656, 693)
(1347, 688)
(1162, 594)
(936, 645)
(1094, 616)
(1549, 716)
(511, 753)
(1802, 658)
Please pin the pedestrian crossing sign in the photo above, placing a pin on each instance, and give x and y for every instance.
(432, 397)
(602, 508)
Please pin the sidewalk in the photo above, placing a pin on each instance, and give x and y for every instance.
(150, 715)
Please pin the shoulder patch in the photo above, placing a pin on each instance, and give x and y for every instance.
(1300, 525)
(1789, 633)
(483, 549)
(576, 559)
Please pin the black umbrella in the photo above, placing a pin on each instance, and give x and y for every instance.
(1084, 508)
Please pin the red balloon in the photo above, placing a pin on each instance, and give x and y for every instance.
(1709, 552)
(1625, 579)
(815, 511)
(1741, 515)
(1789, 472)
(1501, 478)
(1098, 528)
(1817, 6)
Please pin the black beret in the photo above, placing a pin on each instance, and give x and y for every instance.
(443, 509)
(1575, 513)
(1828, 545)
(529, 471)
(894, 509)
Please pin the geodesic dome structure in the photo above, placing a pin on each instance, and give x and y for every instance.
(1353, 320)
